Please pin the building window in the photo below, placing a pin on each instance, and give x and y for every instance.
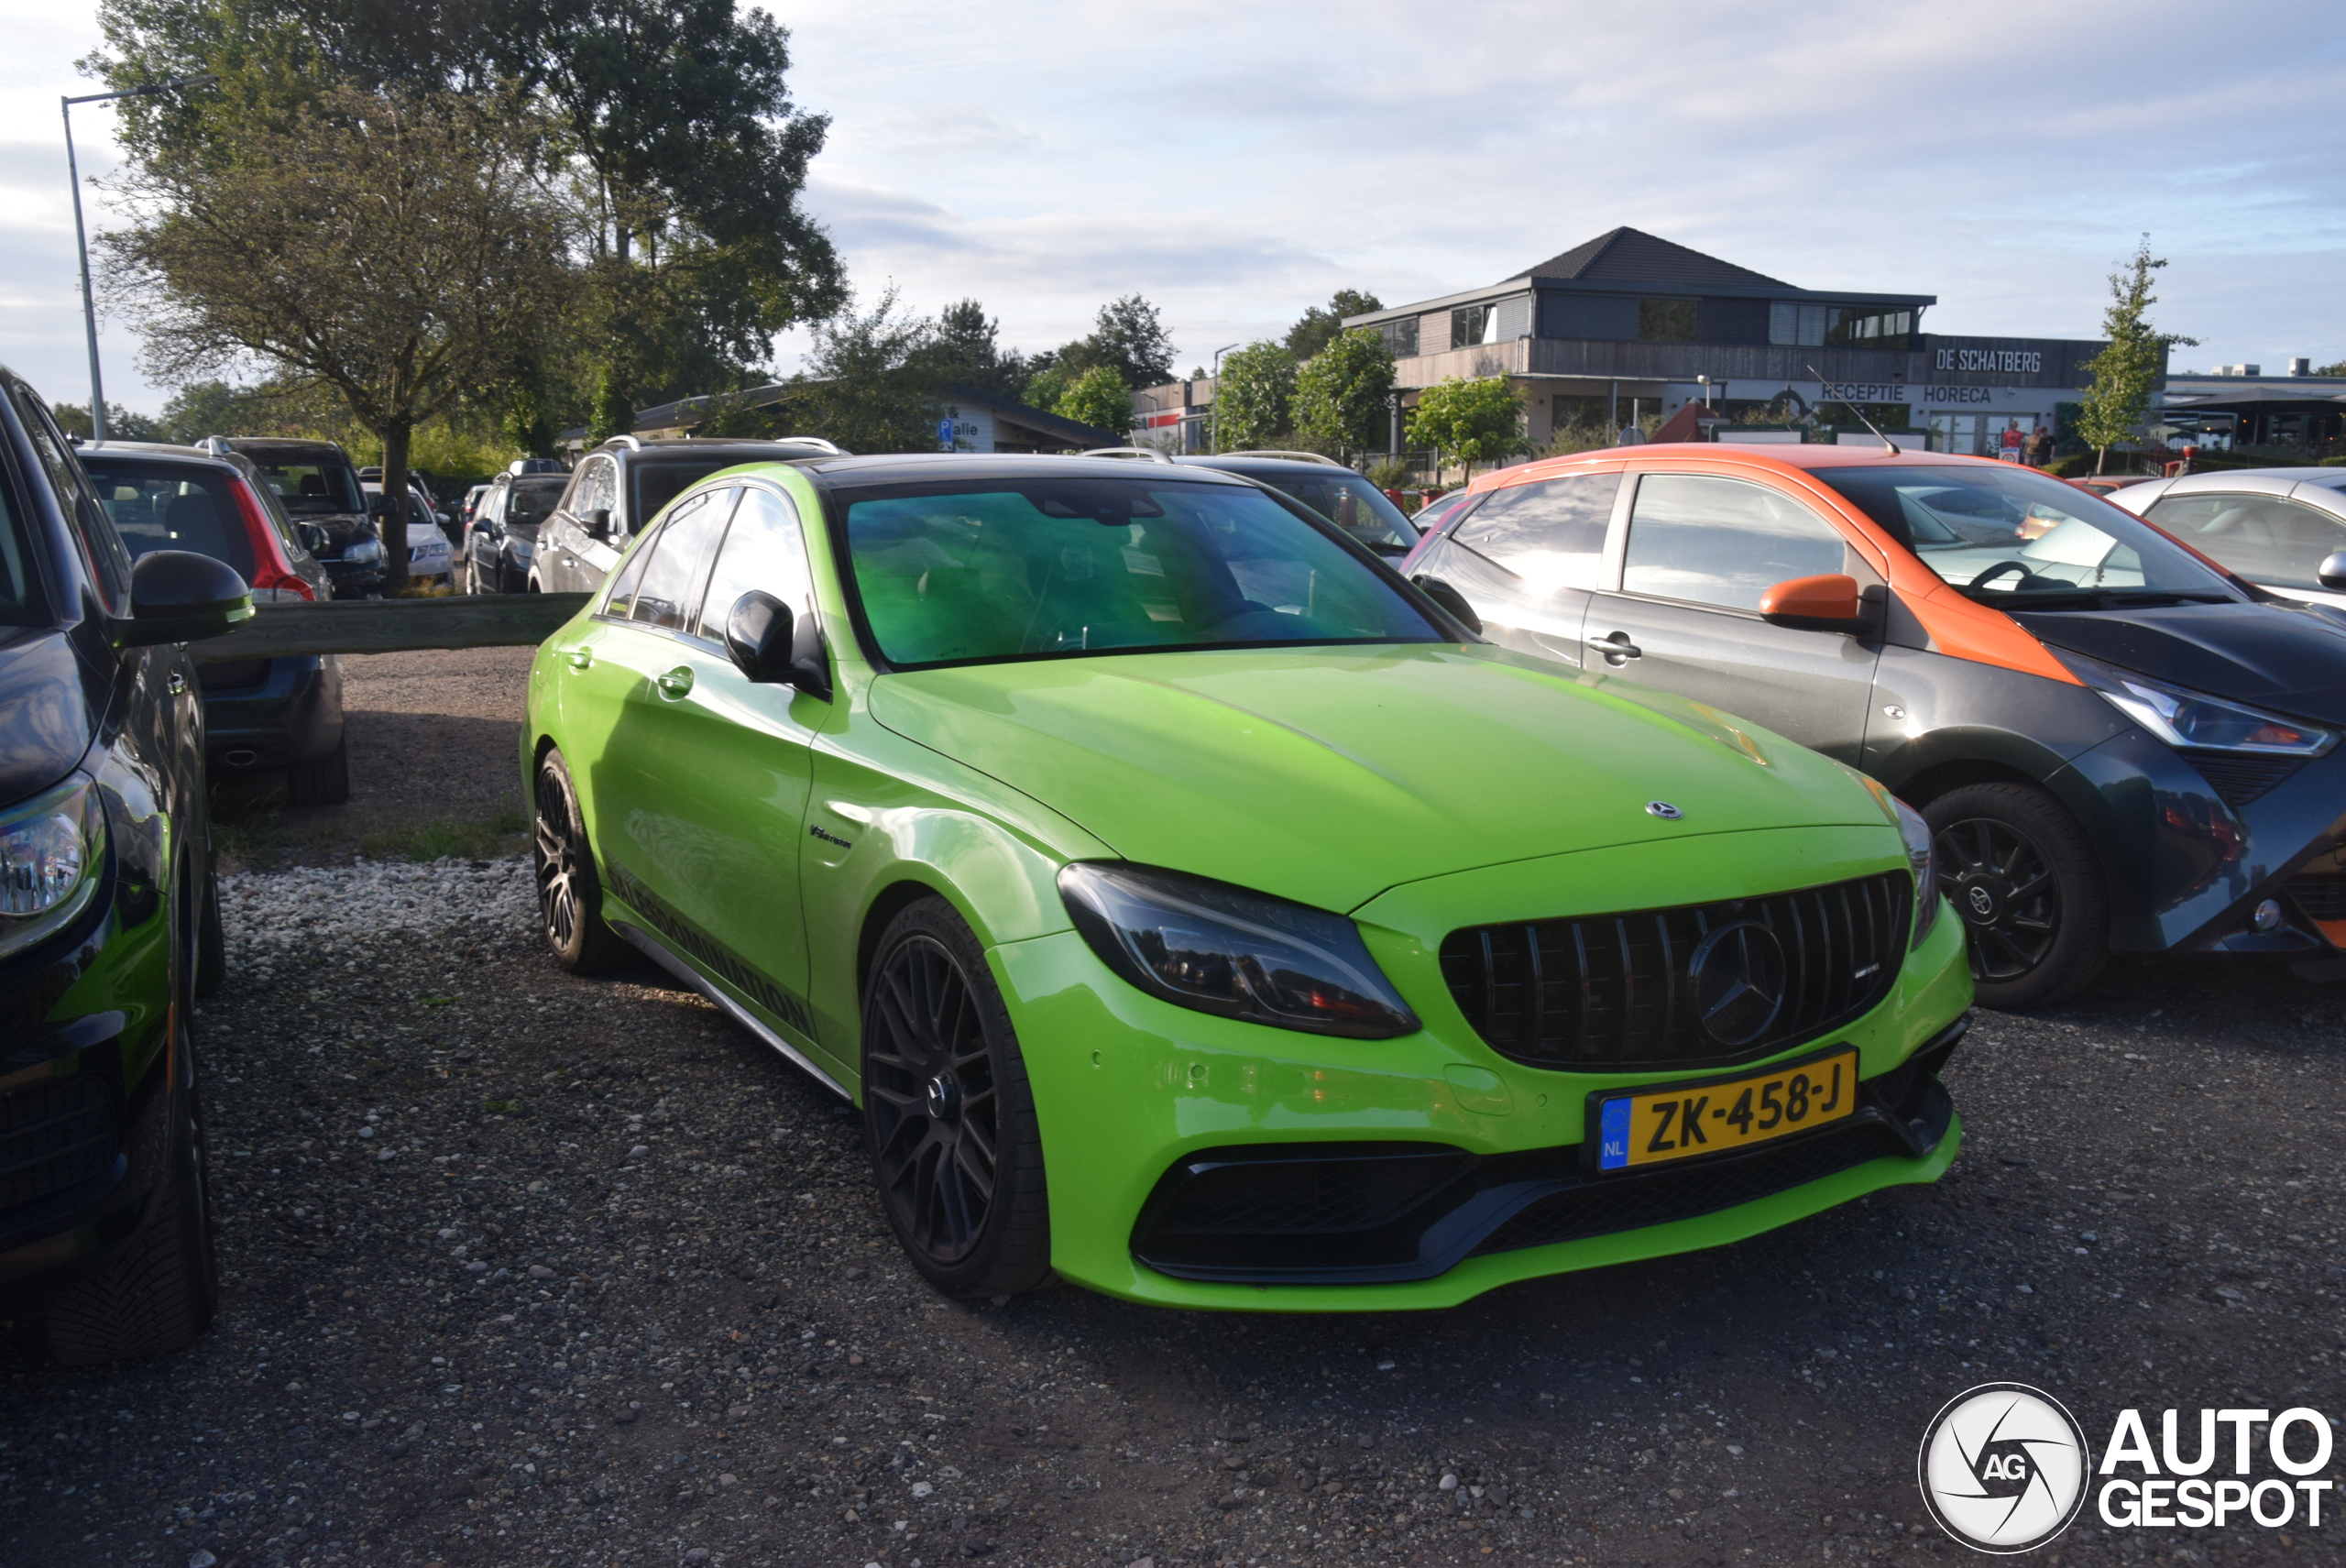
(1400, 337)
(1667, 320)
(1841, 327)
(1473, 326)
(1790, 322)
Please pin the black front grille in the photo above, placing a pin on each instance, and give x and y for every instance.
(2322, 895)
(2240, 779)
(1609, 990)
(55, 1134)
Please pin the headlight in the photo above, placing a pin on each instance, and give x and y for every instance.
(1223, 949)
(50, 850)
(2185, 718)
(1925, 861)
(364, 550)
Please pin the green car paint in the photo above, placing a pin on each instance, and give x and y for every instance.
(765, 835)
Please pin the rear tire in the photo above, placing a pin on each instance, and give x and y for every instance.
(948, 1114)
(2029, 888)
(325, 782)
(570, 894)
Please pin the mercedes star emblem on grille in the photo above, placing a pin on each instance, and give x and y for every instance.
(1738, 978)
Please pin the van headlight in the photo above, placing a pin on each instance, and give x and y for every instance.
(1220, 949)
(51, 851)
(2181, 717)
(1923, 859)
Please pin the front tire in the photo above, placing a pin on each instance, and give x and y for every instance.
(947, 1112)
(2025, 880)
(570, 894)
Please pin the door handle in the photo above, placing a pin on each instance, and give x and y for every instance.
(580, 658)
(676, 682)
(1617, 648)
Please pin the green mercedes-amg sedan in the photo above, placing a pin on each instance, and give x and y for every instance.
(1198, 909)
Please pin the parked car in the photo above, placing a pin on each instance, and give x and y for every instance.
(259, 715)
(470, 508)
(2282, 529)
(2110, 483)
(1197, 909)
(1429, 521)
(618, 489)
(109, 923)
(315, 481)
(429, 559)
(419, 486)
(2118, 748)
(503, 535)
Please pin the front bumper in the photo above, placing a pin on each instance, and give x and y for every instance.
(1129, 1091)
(355, 579)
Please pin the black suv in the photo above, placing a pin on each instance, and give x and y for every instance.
(619, 488)
(316, 484)
(109, 924)
(502, 536)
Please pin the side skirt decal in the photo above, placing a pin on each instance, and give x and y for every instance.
(680, 932)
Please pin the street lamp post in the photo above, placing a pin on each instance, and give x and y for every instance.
(1214, 436)
(81, 238)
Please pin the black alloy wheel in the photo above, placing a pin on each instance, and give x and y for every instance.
(2025, 882)
(570, 894)
(952, 1125)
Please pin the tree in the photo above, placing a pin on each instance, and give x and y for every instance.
(1340, 395)
(1127, 337)
(74, 419)
(965, 350)
(868, 384)
(1098, 397)
(1252, 401)
(1471, 421)
(2337, 369)
(1319, 328)
(2124, 374)
(398, 248)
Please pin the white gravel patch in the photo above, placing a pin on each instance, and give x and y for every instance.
(320, 914)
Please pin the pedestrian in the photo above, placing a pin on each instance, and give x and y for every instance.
(2011, 441)
(2040, 446)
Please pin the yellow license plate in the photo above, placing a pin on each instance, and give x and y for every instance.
(1682, 1121)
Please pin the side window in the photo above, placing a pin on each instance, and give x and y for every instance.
(672, 578)
(1551, 534)
(763, 550)
(102, 549)
(1722, 541)
(2263, 538)
(621, 598)
(599, 492)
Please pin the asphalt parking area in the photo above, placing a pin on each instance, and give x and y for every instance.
(529, 1269)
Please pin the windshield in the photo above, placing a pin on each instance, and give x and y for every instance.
(2009, 536)
(172, 506)
(951, 574)
(312, 488)
(533, 501)
(1349, 501)
(657, 483)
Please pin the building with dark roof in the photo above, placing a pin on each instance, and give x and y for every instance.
(1629, 325)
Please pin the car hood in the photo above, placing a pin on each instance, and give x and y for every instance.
(45, 723)
(2289, 657)
(1328, 775)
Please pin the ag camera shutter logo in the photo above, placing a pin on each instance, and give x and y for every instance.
(2003, 1468)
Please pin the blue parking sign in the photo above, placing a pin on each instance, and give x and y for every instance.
(945, 435)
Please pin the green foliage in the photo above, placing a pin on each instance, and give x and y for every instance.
(1127, 337)
(868, 384)
(1255, 399)
(74, 419)
(1098, 397)
(1317, 328)
(2127, 372)
(1473, 421)
(1389, 474)
(1047, 385)
(2337, 369)
(451, 838)
(1340, 395)
(963, 350)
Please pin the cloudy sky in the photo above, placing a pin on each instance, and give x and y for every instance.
(1235, 162)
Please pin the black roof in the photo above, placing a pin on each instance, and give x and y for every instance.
(1632, 256)
(922, 468)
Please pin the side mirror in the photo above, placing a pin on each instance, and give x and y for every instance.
(773, 646)
(2332, 573)
(599, 522)
(1829, 602)
(177, 596)
(313, 538)
(378, 506)
(1452, 601)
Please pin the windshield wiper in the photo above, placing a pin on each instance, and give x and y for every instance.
(2100, 599)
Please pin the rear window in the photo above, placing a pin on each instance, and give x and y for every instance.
(534, 501)
(657, 483)
(311, 487)
(172, 506)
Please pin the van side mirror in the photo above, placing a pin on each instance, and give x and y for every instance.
(178, 596)
(1828, 602)
(2332, 573)
(773, 647)
(1452, 602)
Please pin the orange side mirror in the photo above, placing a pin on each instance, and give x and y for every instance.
(1827, 602)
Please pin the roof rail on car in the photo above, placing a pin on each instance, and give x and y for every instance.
(1128, 454)
(828, 448)
(1291, 456)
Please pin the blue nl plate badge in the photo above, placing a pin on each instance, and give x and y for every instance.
(1613, 1139)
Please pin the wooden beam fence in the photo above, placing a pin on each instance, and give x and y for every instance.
(392, 626)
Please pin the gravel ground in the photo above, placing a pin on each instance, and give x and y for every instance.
(528, 1269)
